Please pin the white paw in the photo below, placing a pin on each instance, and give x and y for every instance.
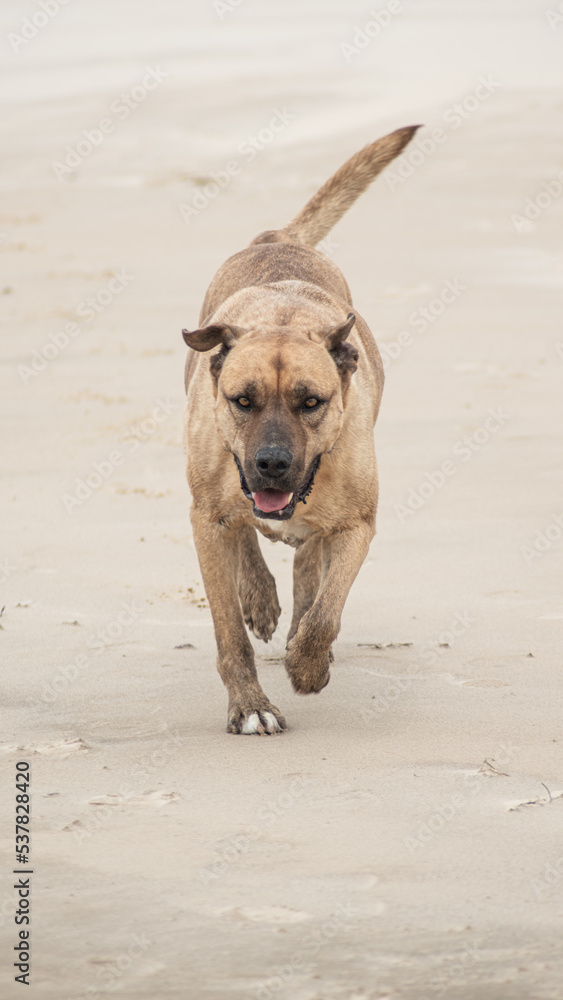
(260, 724)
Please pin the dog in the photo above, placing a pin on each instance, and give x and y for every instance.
(279, 432)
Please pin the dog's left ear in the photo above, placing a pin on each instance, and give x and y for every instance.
(345, 355)
(210, 336)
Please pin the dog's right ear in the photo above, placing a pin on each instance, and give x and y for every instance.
(210, 336)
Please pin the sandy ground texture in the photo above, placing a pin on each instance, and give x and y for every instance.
(404, 838)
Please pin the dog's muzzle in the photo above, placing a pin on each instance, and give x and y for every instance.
(272, 498)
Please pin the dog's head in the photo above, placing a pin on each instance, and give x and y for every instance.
(279, 405)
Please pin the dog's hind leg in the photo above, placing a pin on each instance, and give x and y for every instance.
(306, 580)
(249, 709)
(256, 587)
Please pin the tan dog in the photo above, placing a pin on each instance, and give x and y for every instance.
(280, 439)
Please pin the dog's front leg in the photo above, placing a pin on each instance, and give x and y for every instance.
(256, 586)
(306, 580)
(308, 653)
(249, 709)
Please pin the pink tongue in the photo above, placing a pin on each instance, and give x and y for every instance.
(270, 500)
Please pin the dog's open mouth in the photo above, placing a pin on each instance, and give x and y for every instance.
(275, 504)
(271, 501)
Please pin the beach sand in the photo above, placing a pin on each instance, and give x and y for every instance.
(403, 838)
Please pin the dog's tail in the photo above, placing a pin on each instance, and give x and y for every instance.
(331, 201)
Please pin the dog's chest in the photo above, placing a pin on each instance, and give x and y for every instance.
(293, 532)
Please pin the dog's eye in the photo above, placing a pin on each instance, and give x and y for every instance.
(243, 401)
(312, 403)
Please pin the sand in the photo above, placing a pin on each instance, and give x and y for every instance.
(404, 838)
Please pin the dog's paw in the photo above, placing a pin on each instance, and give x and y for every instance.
(309, 672)
(249, 721)
(261, 610)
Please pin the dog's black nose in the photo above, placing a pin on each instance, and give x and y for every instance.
(273, 462)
